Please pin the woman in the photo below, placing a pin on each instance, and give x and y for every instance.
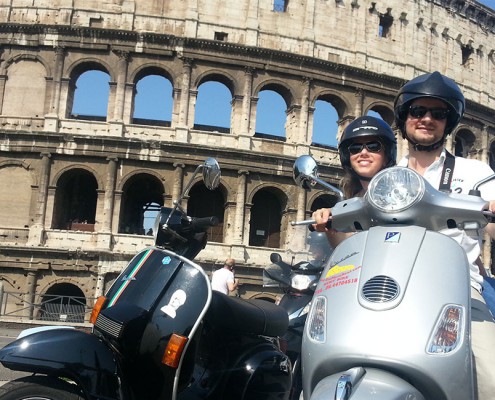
(367, 145)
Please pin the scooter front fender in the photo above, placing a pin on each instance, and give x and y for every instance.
(69, 353)
(364, 384)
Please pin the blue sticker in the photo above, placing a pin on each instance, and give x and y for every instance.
(166, 260)
(392, 237)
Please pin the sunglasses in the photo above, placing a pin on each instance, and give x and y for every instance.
(436, 113)
(374, 147)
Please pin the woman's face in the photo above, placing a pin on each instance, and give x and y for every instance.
(368, 160)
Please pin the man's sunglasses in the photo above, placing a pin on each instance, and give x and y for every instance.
(374, 147)
(436, 113)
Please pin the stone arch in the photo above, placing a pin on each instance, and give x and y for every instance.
(76, 199)
(152, 69)
(141, 192)
(384, 109)
(268, 206)
(63, 300)
(218, 76)
(25, 56)
(55, 177)
(16, 181)
(278, 86)
(25, 86)
(122, 182)
(463, 141)
(202, 202)
(87, 64)
(338, 101)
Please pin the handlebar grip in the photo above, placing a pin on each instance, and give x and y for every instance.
(198, 224)
(328, 225)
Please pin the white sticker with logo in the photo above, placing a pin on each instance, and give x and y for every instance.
(392, 237)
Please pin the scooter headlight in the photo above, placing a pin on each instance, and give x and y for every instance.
(301, 282)
(395, 189)
(317, 320)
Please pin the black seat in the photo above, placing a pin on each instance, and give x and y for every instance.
(258, 317)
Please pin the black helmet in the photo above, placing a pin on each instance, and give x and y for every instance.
(436, 86)
(319, 245)
(368, 126)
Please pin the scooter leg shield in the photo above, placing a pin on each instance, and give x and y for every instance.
(374, 383)
(73, 354)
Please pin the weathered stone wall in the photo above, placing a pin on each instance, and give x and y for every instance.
(316, 49)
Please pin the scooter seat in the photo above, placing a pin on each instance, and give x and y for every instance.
(254, 316)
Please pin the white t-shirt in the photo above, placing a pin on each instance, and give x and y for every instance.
(220, 280)
(467, 172)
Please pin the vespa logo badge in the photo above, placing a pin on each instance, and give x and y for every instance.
(392, 237)
(127, 278)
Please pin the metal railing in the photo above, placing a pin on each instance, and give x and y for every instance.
(53, 308)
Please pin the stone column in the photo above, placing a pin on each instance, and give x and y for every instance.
(118, 113)
(246, 104)
(358, 107)
(184, 99)
(36, 231)
(109, 194)
(485, 140)
(305, 136)
(29, 296)
(178, 185)
(239, 220)
(51, 119)
(57, 80)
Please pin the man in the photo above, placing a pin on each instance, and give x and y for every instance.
(427, 109)
(223, 279)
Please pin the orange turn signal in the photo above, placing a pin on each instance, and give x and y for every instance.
(96, 309)
(174, 350)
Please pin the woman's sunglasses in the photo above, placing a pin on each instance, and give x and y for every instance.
(374, 147)
(436, 113)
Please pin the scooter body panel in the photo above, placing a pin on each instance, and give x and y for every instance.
(67, 353)
(393, 334)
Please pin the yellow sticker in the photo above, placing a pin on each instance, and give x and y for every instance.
(339, 269)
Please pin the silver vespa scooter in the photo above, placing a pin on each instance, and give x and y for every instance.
(390, 318)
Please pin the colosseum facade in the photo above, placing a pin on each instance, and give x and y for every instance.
(76, 187)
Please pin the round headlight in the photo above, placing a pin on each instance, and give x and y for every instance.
(395, 189)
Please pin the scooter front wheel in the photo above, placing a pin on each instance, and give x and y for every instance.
(39, 388)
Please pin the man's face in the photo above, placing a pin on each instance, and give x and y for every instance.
(426, 130)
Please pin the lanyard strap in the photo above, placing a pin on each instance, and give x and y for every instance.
(447, 173)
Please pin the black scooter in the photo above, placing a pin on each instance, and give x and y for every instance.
(160, 333)
(298, 282)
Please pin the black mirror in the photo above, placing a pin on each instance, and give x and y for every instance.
(275, 258)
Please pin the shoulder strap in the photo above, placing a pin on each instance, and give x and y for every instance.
(447, 173)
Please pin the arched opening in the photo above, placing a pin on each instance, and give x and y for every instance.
(75, 201)
(89, 94)
(325, 124)
(464, 142)
(213, 107)
(153, 101)
(207, 203)
(271, 115)
(63, 302)
(266, 217)
(142, 198)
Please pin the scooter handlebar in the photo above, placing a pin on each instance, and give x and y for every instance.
(199, 224)
(310, 223)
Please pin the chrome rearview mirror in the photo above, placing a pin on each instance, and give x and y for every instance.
(211, 173)
(306, 175)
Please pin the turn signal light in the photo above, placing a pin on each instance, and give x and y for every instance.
(96, 309)
(174, 349)
(448, 331)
